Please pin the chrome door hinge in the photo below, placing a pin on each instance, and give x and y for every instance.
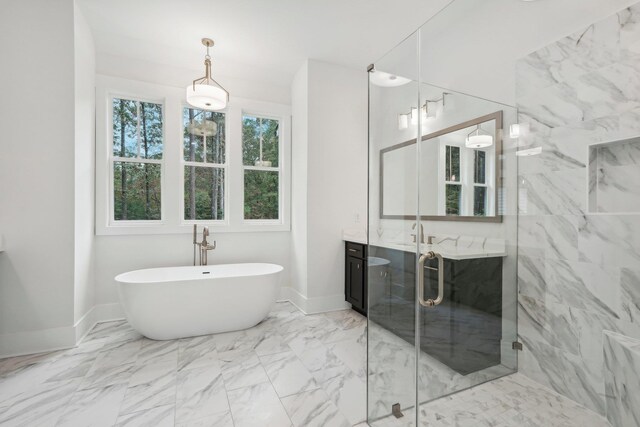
(516, 345)
(396, 411)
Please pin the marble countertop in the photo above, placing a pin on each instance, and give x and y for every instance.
(449, 252)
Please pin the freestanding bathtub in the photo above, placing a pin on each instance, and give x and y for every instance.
(177, 302)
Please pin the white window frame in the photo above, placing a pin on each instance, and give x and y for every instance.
(467, 178)
(173, 163)
(211, 222)
(279, 221)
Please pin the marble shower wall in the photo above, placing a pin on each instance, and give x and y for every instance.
(579, 272)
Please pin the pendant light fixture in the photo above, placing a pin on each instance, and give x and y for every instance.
(206, 93)
(479, 138)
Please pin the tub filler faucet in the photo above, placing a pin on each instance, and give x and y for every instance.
(204, 247)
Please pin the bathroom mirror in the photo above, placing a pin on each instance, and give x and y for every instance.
(459, 172)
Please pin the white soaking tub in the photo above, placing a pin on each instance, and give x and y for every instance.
(177, 302)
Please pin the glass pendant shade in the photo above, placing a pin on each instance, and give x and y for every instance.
(207, 97)
(205, 93)
(479, 139)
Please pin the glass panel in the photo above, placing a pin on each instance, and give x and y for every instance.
(466, 339)
(392, 256)
(260, 141)
(203, 193)
(125, 128)
(136, 191)
(479, 201)
(204, 136)
(137, 129)
(452, 159)
(453, 199)
(261, 192)
(479, 167)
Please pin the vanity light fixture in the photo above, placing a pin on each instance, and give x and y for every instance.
(479, 138)
(206, 93)
(403, 121)
(428, 110)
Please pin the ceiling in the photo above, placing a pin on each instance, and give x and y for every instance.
(264, 40)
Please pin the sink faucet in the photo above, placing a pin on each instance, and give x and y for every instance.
(421, 229)
(204, 246)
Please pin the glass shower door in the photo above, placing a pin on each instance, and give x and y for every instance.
(442, 295)
(393, 236)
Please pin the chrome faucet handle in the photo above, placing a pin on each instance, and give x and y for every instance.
(430, 240)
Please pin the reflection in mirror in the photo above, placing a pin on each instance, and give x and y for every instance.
(459, 172)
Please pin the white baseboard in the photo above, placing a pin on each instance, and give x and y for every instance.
(313, 305)
(41, 341)
(45, 340)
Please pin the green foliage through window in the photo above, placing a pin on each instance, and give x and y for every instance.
(260, 156)
(203, 193)
(260, 194)
(137, 147)
(453, 199)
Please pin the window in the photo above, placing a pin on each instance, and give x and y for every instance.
(480, 183)
(261, 167)
(136, 161)
(453, 184)
(205, 164)
(162, 165)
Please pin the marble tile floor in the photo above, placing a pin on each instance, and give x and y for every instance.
(291, 370)
(510, 401)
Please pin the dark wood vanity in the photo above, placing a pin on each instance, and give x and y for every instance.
(355, 281)
(464, 332)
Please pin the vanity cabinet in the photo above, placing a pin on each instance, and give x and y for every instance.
(464, 332)
(355, 283)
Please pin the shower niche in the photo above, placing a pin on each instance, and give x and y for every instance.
(614, 174)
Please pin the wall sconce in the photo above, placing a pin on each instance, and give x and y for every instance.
(517, 130)
(428, 110)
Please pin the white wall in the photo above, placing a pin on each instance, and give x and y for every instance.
(118, 254)
(171, 245)
(299, 144)
(335, 171)
(84, 167)
(37, 175)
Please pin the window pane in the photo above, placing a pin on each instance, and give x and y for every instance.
(452, 163)
(203, 136)
(260, 140)
(480, 201)
(136, 191)
(125, 128)
(203, 193)
(453, 193)
(137, 129)
(479, 167)
(151, 136)
(261, 194)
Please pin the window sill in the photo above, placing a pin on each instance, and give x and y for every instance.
(124, 230)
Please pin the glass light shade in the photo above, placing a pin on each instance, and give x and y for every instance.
(479, 141)
(529, 152)
(514, 131)
(380, 78)
(403, 121)
(206, 97)
(414, 116)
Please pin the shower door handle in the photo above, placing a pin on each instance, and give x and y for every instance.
(430, 302)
